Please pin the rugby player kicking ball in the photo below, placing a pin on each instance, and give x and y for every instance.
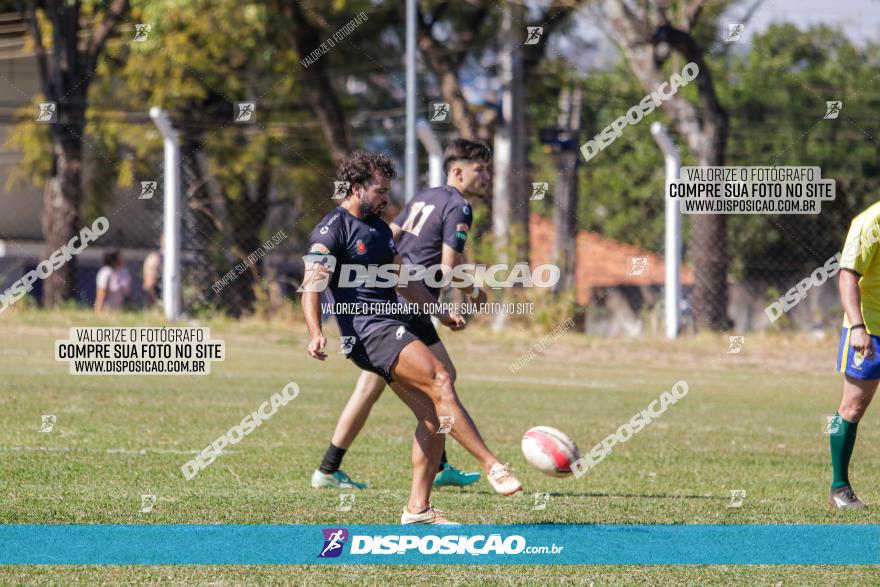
(386, 344)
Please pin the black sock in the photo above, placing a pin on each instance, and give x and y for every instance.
(332, 459)
(443, 460)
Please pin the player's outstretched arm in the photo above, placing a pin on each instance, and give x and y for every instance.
(311, 302)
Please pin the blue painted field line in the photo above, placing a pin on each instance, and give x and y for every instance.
(152, 544)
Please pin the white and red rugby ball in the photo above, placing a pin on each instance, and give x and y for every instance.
(549, 450)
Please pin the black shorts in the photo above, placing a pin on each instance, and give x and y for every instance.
(378, 351)
(421, 326)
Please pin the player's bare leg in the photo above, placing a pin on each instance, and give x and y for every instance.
(417, 367)
(330, 474)
(447, 475)
(426, 449)
(857, 396)
(367, 391)
(439, 351)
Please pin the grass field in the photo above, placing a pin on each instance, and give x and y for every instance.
(751, 421)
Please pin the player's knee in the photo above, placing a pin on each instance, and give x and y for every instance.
(442, 383)
(853, 410)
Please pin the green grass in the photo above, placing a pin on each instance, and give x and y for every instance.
(751, 421)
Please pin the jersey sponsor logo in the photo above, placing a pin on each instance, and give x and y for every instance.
(399, 334)
(361, 247)
(466, 210)
(461, 232)
(325, 229)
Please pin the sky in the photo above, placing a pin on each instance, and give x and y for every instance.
(590, 47)
(860, 19)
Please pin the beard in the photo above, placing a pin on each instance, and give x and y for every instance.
(368, 211)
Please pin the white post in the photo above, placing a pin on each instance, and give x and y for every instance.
(672, 290)
(411, 160)
(435, 153)
(171, 297)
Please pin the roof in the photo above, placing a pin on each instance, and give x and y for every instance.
(601, 262)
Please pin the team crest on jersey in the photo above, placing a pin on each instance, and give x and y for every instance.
(361, 247)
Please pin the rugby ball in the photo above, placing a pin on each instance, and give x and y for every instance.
(549, 450)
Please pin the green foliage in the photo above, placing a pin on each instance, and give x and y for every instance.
(621, 188)
(781, 123)
(775, 95)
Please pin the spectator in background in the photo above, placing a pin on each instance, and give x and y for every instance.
(152, 276)
(114, 283)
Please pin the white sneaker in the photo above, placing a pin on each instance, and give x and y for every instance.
(430, 516)
(503, 481)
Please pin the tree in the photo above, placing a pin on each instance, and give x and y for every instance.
(515, 62)
(67, 63)
(648, 33)
(305, 37)
(232, 173)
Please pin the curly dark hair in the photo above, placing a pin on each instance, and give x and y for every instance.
(361, 168)
(465, 150)
(111, 258)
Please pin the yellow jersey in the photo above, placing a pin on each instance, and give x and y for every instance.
(860, 255)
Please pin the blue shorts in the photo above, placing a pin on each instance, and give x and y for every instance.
(853, 363)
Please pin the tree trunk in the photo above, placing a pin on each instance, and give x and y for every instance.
(60, 219)
(65, 70)
(511, 185)
(199, 221)
(565, 194)
(710, 240)
(247, 215)
(704, 131)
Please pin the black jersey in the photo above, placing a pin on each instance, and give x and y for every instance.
(353, 241)
(433, 217)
